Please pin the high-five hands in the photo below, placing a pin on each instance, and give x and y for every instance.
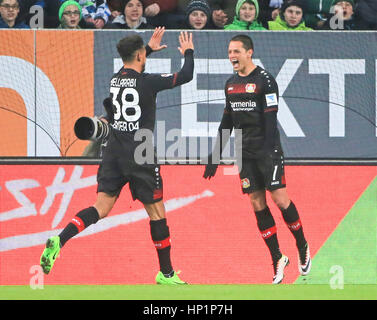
(155, 41)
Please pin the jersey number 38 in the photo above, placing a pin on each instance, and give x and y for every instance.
(130, 109)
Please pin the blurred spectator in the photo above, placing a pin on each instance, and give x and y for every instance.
(198, 15)
(96, 12)
(51, 11)
(367, 11)
(291, 17)
(344, 17)
(70, 14)
(156, 7)
(162, 13)
(247, 12)
(218, 17)
(116, 7)
(269, 10)
(9, 10)
(132, 17)
(317, 13)
(223, 12)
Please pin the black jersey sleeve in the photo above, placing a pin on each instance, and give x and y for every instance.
(271, 94)
(225, 124)
(271, 101)
(270, 127)
(148, 50)
(159, 82)
(187, 72)
(226, 121)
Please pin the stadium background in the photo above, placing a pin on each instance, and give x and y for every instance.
(327, 112)
(327, 83)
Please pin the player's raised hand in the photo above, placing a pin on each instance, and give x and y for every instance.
(155, 41)
(185, 42)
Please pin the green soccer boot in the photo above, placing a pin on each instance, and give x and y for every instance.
(161, 279)
(50, 253)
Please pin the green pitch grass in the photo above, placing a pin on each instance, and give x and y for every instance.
(190, 292)
(350, 251)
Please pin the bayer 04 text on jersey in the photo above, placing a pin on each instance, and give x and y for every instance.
(125, 126)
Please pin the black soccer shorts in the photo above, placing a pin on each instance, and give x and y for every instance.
(262, 174)
(145, 181)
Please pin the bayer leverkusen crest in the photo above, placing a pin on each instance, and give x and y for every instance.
(245, 183)
(250, 87)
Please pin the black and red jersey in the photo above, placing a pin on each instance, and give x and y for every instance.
(134, 100)
(248, 99)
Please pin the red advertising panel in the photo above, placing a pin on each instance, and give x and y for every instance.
(213, 228)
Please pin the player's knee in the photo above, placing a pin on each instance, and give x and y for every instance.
(258, 206)
(258, 200)
(280, 198)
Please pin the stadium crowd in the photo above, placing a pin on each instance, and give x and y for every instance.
(193, 14)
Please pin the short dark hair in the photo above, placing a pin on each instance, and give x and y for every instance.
(128, 46)
(247, 43)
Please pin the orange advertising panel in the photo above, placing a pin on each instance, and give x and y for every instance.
(47, 83)
(14, 46)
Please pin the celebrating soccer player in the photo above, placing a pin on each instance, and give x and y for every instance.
(252, 106)
(133, 95)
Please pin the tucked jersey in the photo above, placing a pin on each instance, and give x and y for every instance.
(248, 99)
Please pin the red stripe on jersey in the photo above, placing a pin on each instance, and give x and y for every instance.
(271, 109)
(78, 223)
(175, 78)
(268, 232)
(294, 226)
(162, 244)
(283, 179)
(236, 88)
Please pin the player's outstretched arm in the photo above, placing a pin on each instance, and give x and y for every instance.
(221, 140)
(156, 38)
(169, 81)
(186, 48)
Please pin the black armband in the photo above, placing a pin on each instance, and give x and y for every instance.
(189, 52)
(148, 50)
